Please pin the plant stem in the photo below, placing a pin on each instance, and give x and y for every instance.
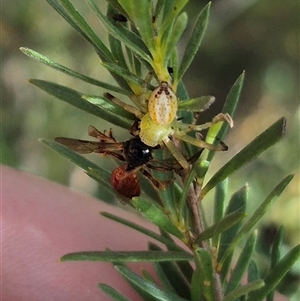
(193, 203)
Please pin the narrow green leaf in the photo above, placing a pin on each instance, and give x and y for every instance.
(115, 44)
(261, 143)
(253, 271)
(76, 20)
(141, 16)
(110, 106)
(148, 286)
(115, 4)
(276, 274)
(171, 276)
(155, 215)
(184, 266)
(194, 41)
(133, 256)
(237, 204)
(198, 104)
(258, 214)
(56, 6)
(163, 278)
(183, 205)
(81, 23)
(103, 177)
(171, 14)
(242, 264)
(168, 242)
(111, 292)
(226, 223)
(76, 99)
(202, 280)
(243, 290)
(174, 64)
(276, 246)
(43, 59)
(231, 102)
(219, 206)
(229, 107)
(127, 75)
(275, 256)
(125, 36)
(147, 275)
(171, 43)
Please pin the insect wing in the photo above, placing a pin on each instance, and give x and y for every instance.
(87, 147)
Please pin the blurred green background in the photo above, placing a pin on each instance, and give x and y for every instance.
(261, 37)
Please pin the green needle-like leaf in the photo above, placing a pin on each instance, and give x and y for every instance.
(275, 255)
(226, 223)
(155, 214)
(76, 99)
(111, 292)
(243, 290)
(148, 286)
(168, 242)
(195, 41)
(277, 244)
(102, 176)
(257, 215)
(231, 102)
(127, 75)
(43, 59)
(86, 29)
(276, 274)
(253, 271)
(141, 16)
(237, 204)
(261, 143)
(170, 44)
(219, 206)
(130, 39)
(108, 105)
(202, 280)
(184, 266)
(134, 256)
(171, 276)
(198, 104)
(55, 5)
(163, 278)
(229, 107)
(242, 264)
(173, 10)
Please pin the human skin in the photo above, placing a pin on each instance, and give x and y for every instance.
(42, 221)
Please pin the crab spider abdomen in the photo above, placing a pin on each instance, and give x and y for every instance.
(162, 104)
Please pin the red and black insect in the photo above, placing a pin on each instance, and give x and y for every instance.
(134, 152)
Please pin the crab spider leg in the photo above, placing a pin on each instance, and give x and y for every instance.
(218, 118)
(128, 108)
(156, 183)
(199, 143)
(176, 154)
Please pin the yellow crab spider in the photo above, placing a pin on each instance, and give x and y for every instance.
(153, 134)
(159, 125)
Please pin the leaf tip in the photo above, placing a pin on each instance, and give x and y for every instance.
(284, 121)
